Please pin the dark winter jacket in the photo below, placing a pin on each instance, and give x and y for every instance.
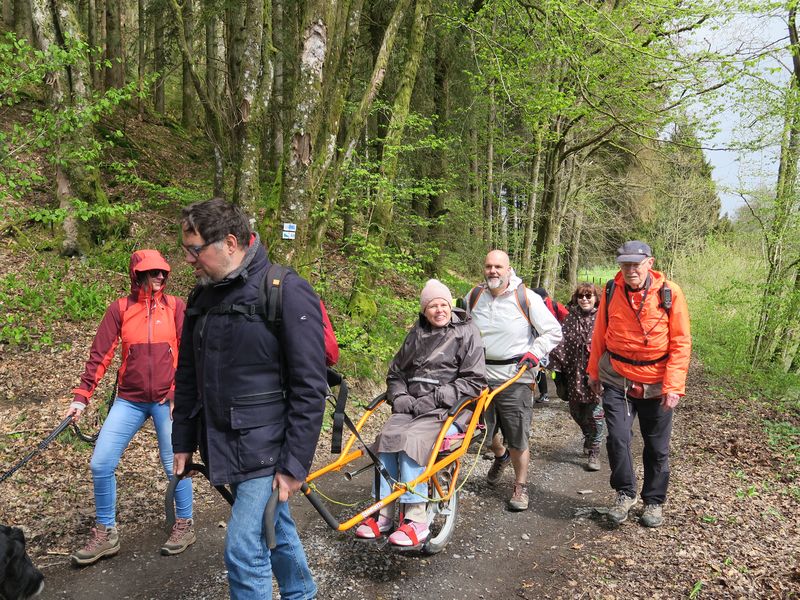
(149, 327)
(436, 368)
(229, 399)
(571, 356)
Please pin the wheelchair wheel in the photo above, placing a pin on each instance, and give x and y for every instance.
(441, 514)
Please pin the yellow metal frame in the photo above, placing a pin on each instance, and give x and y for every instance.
(436, 462)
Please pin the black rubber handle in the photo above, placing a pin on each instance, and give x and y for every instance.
(378, 399)
(317, 502)
(269, 519)
(169, 497)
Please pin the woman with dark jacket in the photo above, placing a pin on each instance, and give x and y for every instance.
(440, 364)
(148, 323)
(570, 359)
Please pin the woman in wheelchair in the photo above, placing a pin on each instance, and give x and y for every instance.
(440, 364)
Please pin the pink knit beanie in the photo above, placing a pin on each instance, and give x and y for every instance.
(434, 289)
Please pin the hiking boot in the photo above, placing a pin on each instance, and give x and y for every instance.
(104, 541)
(181, 537)
(496, 470)
(652, 516)
(593, 464)
(619, 512)
(519, 499)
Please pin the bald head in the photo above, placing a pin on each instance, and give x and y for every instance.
(497, 271)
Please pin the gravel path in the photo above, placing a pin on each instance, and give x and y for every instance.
(493, 553)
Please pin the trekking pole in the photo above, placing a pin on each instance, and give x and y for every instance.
(42, 445)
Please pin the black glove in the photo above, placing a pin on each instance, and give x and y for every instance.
(403, 404)
(528, 360)
(424, 404)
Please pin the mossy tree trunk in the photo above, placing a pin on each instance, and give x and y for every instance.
(54, 24)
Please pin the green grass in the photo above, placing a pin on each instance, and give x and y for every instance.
(43, 294)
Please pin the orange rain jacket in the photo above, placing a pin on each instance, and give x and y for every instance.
(653, 335)
(149, 326)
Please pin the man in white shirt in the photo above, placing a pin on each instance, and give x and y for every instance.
(511, 338)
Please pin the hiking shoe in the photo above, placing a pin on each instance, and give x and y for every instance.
(619, 512)
(543, 398)
(519, 499)
(593, 464)
(496, 470)
(181, 537)
(652, 516)
(104, 541)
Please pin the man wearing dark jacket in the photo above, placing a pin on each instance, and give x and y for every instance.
(249, 398)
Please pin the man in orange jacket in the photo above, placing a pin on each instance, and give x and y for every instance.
(639, 360)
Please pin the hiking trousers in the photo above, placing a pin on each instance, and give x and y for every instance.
(655, 424)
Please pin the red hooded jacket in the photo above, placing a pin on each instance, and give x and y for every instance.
(149, 326)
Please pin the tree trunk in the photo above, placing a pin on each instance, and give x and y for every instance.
(8, 14)
(488, 199)
(68, 89)
(251, 83)
(23, 25)
(767, 343)
(187, 106)
(115, 73)
(278, 109)
(298, 194)
(141, 67)
(159, 58)
(361, 303)
(533, 198)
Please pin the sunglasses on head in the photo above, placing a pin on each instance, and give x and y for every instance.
(585, 296)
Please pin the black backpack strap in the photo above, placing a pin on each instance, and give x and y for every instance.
(610, 287)
(272, 296)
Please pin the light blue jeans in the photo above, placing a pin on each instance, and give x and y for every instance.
(124, 420)
(403, 469)
(250, 563)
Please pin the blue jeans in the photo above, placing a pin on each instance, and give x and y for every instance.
(403, 469)
(124, 420)
(250, 563)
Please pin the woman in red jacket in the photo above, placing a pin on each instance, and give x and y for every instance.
(148, 322)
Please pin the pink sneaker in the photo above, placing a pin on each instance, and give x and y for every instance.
(410, 533)
(370, 529)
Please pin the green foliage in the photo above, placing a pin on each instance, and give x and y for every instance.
(61, 134)
(158, 195)
(36, 301)
(366, 348)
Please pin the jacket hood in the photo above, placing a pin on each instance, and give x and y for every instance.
(144, 260)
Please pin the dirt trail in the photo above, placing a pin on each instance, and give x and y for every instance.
(493, 553)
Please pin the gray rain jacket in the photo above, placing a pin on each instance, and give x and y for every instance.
(436, 368)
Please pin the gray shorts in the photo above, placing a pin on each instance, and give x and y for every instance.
(512, 411)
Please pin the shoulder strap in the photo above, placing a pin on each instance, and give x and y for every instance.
(610, 287)
(272, 295)
(665, 297)
(522, 302)
(474, 294)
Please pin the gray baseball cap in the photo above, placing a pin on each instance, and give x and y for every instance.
(633, 252)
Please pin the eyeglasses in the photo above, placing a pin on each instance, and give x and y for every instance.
(585, 296)
(196, 250)
(157, 272)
